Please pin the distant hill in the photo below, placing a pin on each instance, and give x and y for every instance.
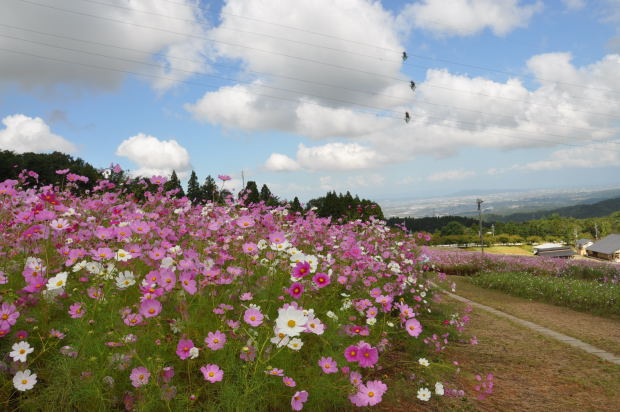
(582, 211)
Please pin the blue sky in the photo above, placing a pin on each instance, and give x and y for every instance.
(282, 90)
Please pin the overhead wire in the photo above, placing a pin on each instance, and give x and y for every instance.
(399, 98)
(408, 62)
(289, 99)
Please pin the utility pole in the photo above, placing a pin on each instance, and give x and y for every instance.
(242, 180)
(479, 201)
(596, 231)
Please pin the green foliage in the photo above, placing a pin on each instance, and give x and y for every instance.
(432, 224)
(174, 184)
(576, 294)
(251, 190)
(345, 207)
(208, 190)
(193, 189)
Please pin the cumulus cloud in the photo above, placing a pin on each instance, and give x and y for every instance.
(589, 156)
(154, 156)
(169, 51)
(281, 163)
(574, 4)
(451, 175)
(469, 17)
(27, 134)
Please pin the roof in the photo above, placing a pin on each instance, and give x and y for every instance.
(583, 242)
(607, 245)
(545, 246)
(556, 253)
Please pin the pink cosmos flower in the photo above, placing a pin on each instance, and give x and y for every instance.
(188, 283)
(133, 319)
(56, 334)
(321, 280)
(102, 253)
(8, 315)
(367, 355)
(212, 373)
(76, 310)
(253, 317)
(301, 269)
(298, 400)
(275, 372)
(296, 290)
(183, 348)
(328, 365)
(355, 378)
(245, 222)
(223, 178)
(158, 180)
(413, 327)
(150, 308)
(167, 373)
(250, 248)
(215, 340)
(289, 382)
(369, 394)
(246, 296)
(139, 376)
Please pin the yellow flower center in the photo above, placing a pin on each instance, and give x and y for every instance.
(22, 351)
(291, 323)
(5, 316)
(59, 283)
(151, 311)
(252, 317)
(24, 381)
(211, 374)
(216, 340)
(371, 394)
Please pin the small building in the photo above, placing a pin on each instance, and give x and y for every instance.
(581, 246)
(608, 248)
(554, 250)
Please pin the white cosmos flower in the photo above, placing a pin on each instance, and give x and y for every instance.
(371, 321)
(291, 321)
(295, 344)
(193, 353)
(439, 388)
(123, 255)
(125, 279)
(24, 381)
(423, 362)
(20, 351)
(57, 282)
(424, 394)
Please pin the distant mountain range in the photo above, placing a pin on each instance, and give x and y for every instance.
(501, 203)
(598, 209)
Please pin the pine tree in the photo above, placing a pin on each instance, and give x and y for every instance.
(174, 183)
(251, 190)
(265, 194)
(193, 189)
(296, 206)
(208, 190)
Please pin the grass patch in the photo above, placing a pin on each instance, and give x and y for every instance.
(504, 250)
(587, 296)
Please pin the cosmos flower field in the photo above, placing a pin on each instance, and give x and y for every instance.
(109, 302)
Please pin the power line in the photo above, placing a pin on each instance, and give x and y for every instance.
(325, 84)
(357, 53)
(279, 97)
(305, 59)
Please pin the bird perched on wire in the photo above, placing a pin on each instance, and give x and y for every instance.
(407, 117)
(405, 57)
(412, 85)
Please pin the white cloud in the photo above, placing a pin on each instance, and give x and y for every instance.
(469, 17)
(451, 175)
(154, 156)
(27, 134)
(574, 4)
(365, 180)
(326, 183)
(604, 154)
(337, 156)
(176, 52)
(281, 163)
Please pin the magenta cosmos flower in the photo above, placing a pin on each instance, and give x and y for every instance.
(139, 376)
(413, 327)
(184, 347)
(298, 400)
(328, 365)
(321, 280)
(351, 353)
(223, 178)
(253, 317)
(215, 340)
(212, 373)
(367, 355)
(150, 308)
(296, 290)
(289, 382)
(301, 269)
(245, 221)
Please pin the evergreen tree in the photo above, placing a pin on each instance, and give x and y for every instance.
(174, 184)
(251, 190)
(208, 190)
(193, 189)
(265, 194)
(296, 206)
